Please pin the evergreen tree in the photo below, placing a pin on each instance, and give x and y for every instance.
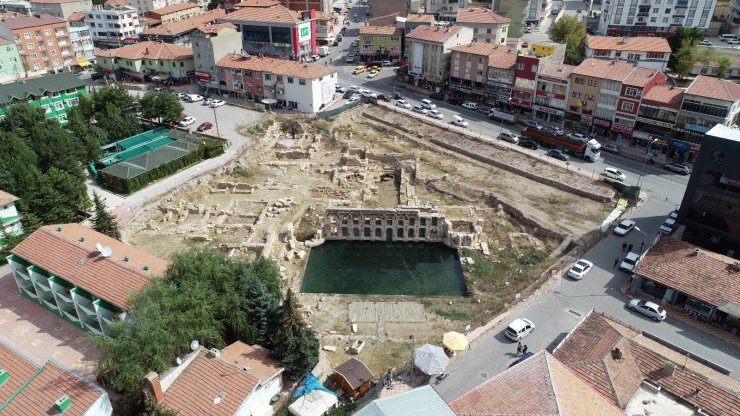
(59, 197)
(8, 241)
(80, 129)
(18, 171)
(55, 147)
(21, 118)
(103, 221)
(113, 95)
(262, 308)
(724, 63)
(685, 57)
(295, 345)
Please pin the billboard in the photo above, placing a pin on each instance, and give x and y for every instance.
(416, 69)
(304, 32)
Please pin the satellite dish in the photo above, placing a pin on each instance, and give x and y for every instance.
(106, 251)
(194, 345)
(178, 361)
(99, 247)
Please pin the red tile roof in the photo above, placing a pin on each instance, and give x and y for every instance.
(710, 87)
(271, 14)
(76, 17)
(420, 18)
(638, 43)
(664, 96)
(615, 70)
(257, 3)
(38, 388)
(275, 66)
(433, 33)
(598, 334)
(540, 385)
(706, 276)
(23, 22)
(557, 70)
(480, 15)
(481, 48)
(174, 8)
(148, 50)
(52, 1)
(355, 372)
(216, 28)
(381, 30)
(502, 60)
(207, 377)
(110, 278)
(182, 26)
(6, 197)
(254, 357)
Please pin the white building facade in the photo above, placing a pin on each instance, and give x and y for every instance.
(113, 25)
(9, 217)
(653, 17)
(429, 51)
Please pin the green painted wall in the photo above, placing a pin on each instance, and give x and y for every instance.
(57, 103)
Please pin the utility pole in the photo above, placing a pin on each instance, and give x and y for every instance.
(215, 118)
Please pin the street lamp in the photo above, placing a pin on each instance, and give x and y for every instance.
(642, 170)
(413, 345)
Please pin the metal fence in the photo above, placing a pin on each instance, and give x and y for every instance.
(323, 115)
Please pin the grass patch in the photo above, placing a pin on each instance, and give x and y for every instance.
(533, 257)
(454, 315)
(307, 227)
(241, 172)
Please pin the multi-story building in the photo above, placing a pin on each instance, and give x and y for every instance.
(500, 80)
(444, 9)
(534, 11)
(551, 92)
(179, 32)
(429, 50)
(647, 52)
(412, 21)
(147, 58)
(713, 68)
(11, 64)
(657, 116)
(275, 31)
(90, 293)
(709, 207)
(488, 26)
(56, 93)
(143, 6)
(625, 18)
(82, 43)
(381, 43)
(304, 87)
(469, 69)
(10, 221)
(43, 42)
(210, 44)
(59, 8)
(174, 13)
(707, 102)
(324, 6)
(634, 86)
(525, 76)
(113, 24)
(325, 29)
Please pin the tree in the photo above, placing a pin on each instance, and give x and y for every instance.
(103, 221)
(706, 57)
(676, 41)
(8, 241)
(566, 27)
(296, 345)
(685, 57)
(113, 95)
(163, 107)
(56, 147)
(21, 118)
(724, 63)
(18, 165)
(58, 197)
(80, 129)
(215, 4)
(118, 126)
(573, 51)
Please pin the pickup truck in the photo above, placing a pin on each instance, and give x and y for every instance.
(502, 115)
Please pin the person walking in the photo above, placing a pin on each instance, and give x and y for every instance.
(624, 246)
(524, 350)
(616, 262)
(629, 248)
(519, 348)
(642, 246)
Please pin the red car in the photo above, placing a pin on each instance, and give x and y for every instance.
(205, 126)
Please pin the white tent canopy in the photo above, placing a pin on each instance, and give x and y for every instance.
(431, 359)
(315, 403)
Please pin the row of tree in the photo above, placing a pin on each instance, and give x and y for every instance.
(208, 297)
(685, 44)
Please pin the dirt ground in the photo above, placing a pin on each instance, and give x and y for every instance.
(281, 186)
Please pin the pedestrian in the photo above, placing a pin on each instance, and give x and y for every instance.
(524, 350)
(624, 246)
(629, 248)
(642, 246)
(616, 262)
(519, 348)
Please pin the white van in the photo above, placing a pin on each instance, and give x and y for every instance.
(428, 104)
(555, 11)
(727, 36)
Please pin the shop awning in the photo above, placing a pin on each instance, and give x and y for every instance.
(730, 308)
(84, 63)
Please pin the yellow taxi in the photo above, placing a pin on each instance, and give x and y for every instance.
(360, 69)
(375, 68)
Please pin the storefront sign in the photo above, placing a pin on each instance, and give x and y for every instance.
(547, 110)
(621, 129)
(602, 123)
(550, 79)
(522, 103)
(694, 147)
(304, 32)
(679, 145)
(202, 76)
(695, 128)
(640, 135)
(655, 122)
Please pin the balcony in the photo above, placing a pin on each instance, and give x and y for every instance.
(91, 324)
(84, 303)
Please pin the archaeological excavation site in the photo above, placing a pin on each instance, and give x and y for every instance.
(385, 225)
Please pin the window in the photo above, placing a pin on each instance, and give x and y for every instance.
(47, 32)
(656, 10)
(301, 81)
(59, 105)
(520, 66)
(290, 80)
(655, 55)
(73, 102)
(628, 106)
(34, 56)
(665, 20)
(653, 19)
(62, 118)
(30, 46)
(268, 77)
(593, 83)
(248, 74)
(46, 108)
(279, 78)
(56, 62)
(630, 92)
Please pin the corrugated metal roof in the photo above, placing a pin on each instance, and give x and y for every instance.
(38, 86)
(421, 401)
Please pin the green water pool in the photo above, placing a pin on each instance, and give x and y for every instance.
(384, 268)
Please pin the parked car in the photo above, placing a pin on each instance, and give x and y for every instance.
(206, 125)
(403, 104)
(436, 114)
(484, 110)
(354, 88)
(459, 121)
(368, 94)
(677, 168)
(194, 98)
(349, 59)
(372, 74)
(397, 96)
(629, 262)
(387, 63)
(509, 137)
(454, 101)
(667, 227)
(525, 44)
(733, 41)
(533, 125)
(674, 214)
(218, 103)
(705, 43)
(579, 269)
(611, 148)
(647, 308)
(529, 144)
(348, 94)
(182, 96)
(207, 102)
(518, 329)
(187, 121)
(428, 104)
(558, 154)
(96, 76)
(419, 109)
(578, 137)
(470, 105)
(558, 131)
(384, 97)
(624, 227)
(339, 88)
(613, 173)
(353, 99)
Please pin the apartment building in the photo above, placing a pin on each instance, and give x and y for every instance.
(653, 17)
(275, 31)
(55, 93)
(469, 69)
(380, 43)
(323, 6)
(143, 6)
(43, 42)
(429, 51)
(301, 86)
(552, 85)
(178, 32)
(114, 24)
(535, 11)
(646, 52)
(657, 116)
(210, 44)
(500, 80)
(523, 90)
(707, 102)
(11, 63)
(59, 8)
(147, 58)
(82, 43)
(488, 26)
(444, 9)
(326, 31)
(174, 12)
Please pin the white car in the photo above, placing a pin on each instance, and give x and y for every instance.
(403, 104)
(629, 262)
(207, 101)
(578, 137)
(368, 94)
(624, 227)
(518, 329)
(353, 99)
(182, 96)
(509, 137)
(558, 131)
(194, 98)
(386, 63)
(674, 214)
(459, 121)
(534, 125)
(354, 88)
(654, 311)
(339, 88)
(419, 109)
(615, 174)
(187, 121)
(436, 114)
(470, 105)
(217, 103)
(579, 269)
(667, 227)
(705, 43)
(428, 104)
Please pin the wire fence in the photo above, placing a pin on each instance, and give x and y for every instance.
(323, 115)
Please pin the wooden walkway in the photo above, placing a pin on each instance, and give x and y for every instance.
(387, 312)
